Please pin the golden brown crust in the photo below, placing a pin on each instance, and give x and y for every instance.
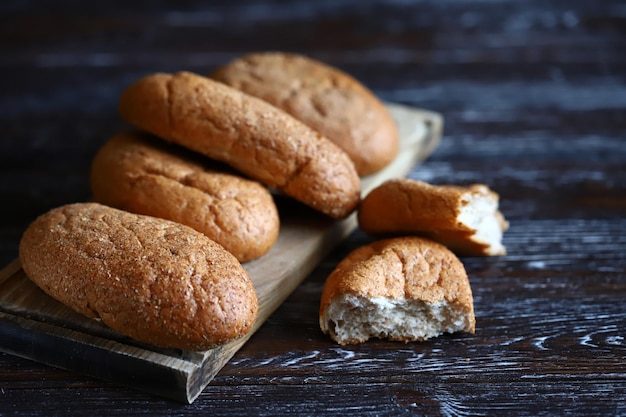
(406, 206)
(404, 267)
(405, 270)
(138, 173)
(251, 135)
(324, 98)
(151, 279)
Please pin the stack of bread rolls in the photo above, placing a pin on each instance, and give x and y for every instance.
(186, 196)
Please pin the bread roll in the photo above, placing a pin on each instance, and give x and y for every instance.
(251, 135)
(465, 219)
(142, 174)
(153, 280)
(402, 289)
(324, 98)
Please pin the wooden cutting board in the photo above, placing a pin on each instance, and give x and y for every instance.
(35, 326)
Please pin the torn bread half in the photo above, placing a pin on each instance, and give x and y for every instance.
(402, 289)
(464, 218)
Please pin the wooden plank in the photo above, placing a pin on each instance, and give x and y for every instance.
(37, 327)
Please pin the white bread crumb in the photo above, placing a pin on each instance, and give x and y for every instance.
(355, 319)
(479, 212)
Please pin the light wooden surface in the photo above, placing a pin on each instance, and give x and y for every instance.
(37, 327)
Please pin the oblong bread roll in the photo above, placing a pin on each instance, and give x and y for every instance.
(137, 172)
(247, 133)
(150, 279)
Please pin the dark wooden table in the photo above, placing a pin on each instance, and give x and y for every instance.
(534, 98)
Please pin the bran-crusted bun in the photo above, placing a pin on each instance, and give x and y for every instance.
(251, 135)
(402, 289)
(141, 174)
(465, 219)
(153, 280)
(324, 98)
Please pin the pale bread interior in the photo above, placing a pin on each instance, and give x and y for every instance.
(356, 318)
(479, 211)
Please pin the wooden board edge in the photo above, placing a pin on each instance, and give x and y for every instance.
(49, 344)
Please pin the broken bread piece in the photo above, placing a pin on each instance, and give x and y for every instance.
(465, 219)
(402, 289)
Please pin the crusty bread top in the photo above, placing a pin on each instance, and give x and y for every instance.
(401, 268)
(151, 279)
(325, 98)
(454, 215)
(251, 135)
(137, 172)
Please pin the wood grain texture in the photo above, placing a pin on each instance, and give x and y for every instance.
(37, 327)
(534, 99)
